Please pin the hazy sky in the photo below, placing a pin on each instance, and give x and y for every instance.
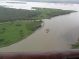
(53, 0)
(42, 0)
(50, 0)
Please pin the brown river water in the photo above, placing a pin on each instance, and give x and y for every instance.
(57, 33)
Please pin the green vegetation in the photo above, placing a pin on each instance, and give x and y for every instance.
(11, 33)
(9, 14)
(76, 45)
(16, 24)
(45, 13)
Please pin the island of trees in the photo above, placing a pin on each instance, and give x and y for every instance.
(17, 24)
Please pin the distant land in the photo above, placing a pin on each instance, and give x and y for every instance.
(18, 2)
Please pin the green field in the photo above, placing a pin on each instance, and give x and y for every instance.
(12, 32)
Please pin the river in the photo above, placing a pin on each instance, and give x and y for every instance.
(63, 31)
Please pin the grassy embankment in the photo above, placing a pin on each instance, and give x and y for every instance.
(15, 24)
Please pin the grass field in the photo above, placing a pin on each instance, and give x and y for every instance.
(12, 32)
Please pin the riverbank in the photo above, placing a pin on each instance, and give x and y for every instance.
(17, 24)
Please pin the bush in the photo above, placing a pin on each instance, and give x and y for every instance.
(18, 24)
(1, 40)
